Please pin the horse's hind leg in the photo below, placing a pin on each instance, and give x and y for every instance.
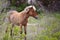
(6, 29)
(11, 30)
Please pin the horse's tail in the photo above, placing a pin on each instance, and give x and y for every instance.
(6, 18)
(10, 13)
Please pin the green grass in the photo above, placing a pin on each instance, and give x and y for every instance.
(32, 20)
(1, 18)
(51, 22)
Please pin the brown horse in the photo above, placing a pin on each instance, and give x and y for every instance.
(21, 18)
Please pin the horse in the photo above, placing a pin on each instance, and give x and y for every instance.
(21, 18)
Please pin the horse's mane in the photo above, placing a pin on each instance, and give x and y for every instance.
(30, 7)
(27, 9)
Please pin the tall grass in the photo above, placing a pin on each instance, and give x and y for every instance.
(52, 28)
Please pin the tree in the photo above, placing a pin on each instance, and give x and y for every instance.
(51, 5)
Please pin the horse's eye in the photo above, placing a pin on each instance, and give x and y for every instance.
(32, 10)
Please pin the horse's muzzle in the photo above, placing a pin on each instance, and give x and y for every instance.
(36, 17)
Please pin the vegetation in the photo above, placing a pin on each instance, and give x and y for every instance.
(50, 23)
(52, 31)
(16, 34)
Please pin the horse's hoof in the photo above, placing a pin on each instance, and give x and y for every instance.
(20, 32)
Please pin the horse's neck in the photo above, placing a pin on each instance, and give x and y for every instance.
(26, 16)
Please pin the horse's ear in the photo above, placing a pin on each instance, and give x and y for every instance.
(27, 10)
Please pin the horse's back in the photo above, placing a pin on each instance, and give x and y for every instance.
(16, 18)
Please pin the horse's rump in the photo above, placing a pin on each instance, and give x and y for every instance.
(9, 14)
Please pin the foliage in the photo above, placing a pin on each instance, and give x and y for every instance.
(50, 33)
(57, 15)
(57, 35)
(1, 18)
(20, 7)
(16, 34)
(52, 29)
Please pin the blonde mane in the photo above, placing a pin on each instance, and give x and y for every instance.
(27, 8)
(30, 7)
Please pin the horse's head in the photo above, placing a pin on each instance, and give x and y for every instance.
(32, 12)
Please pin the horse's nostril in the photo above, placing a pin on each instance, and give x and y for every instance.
(36, 17)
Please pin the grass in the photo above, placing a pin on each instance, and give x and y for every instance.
(2, 16)
(32, 20)
(51, 22)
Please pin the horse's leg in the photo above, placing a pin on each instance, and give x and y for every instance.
(20, 28)
(6, 29)
(11, 30)
(25, 31)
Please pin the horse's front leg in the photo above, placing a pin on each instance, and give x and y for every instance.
(20, 28)
(25, 31)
